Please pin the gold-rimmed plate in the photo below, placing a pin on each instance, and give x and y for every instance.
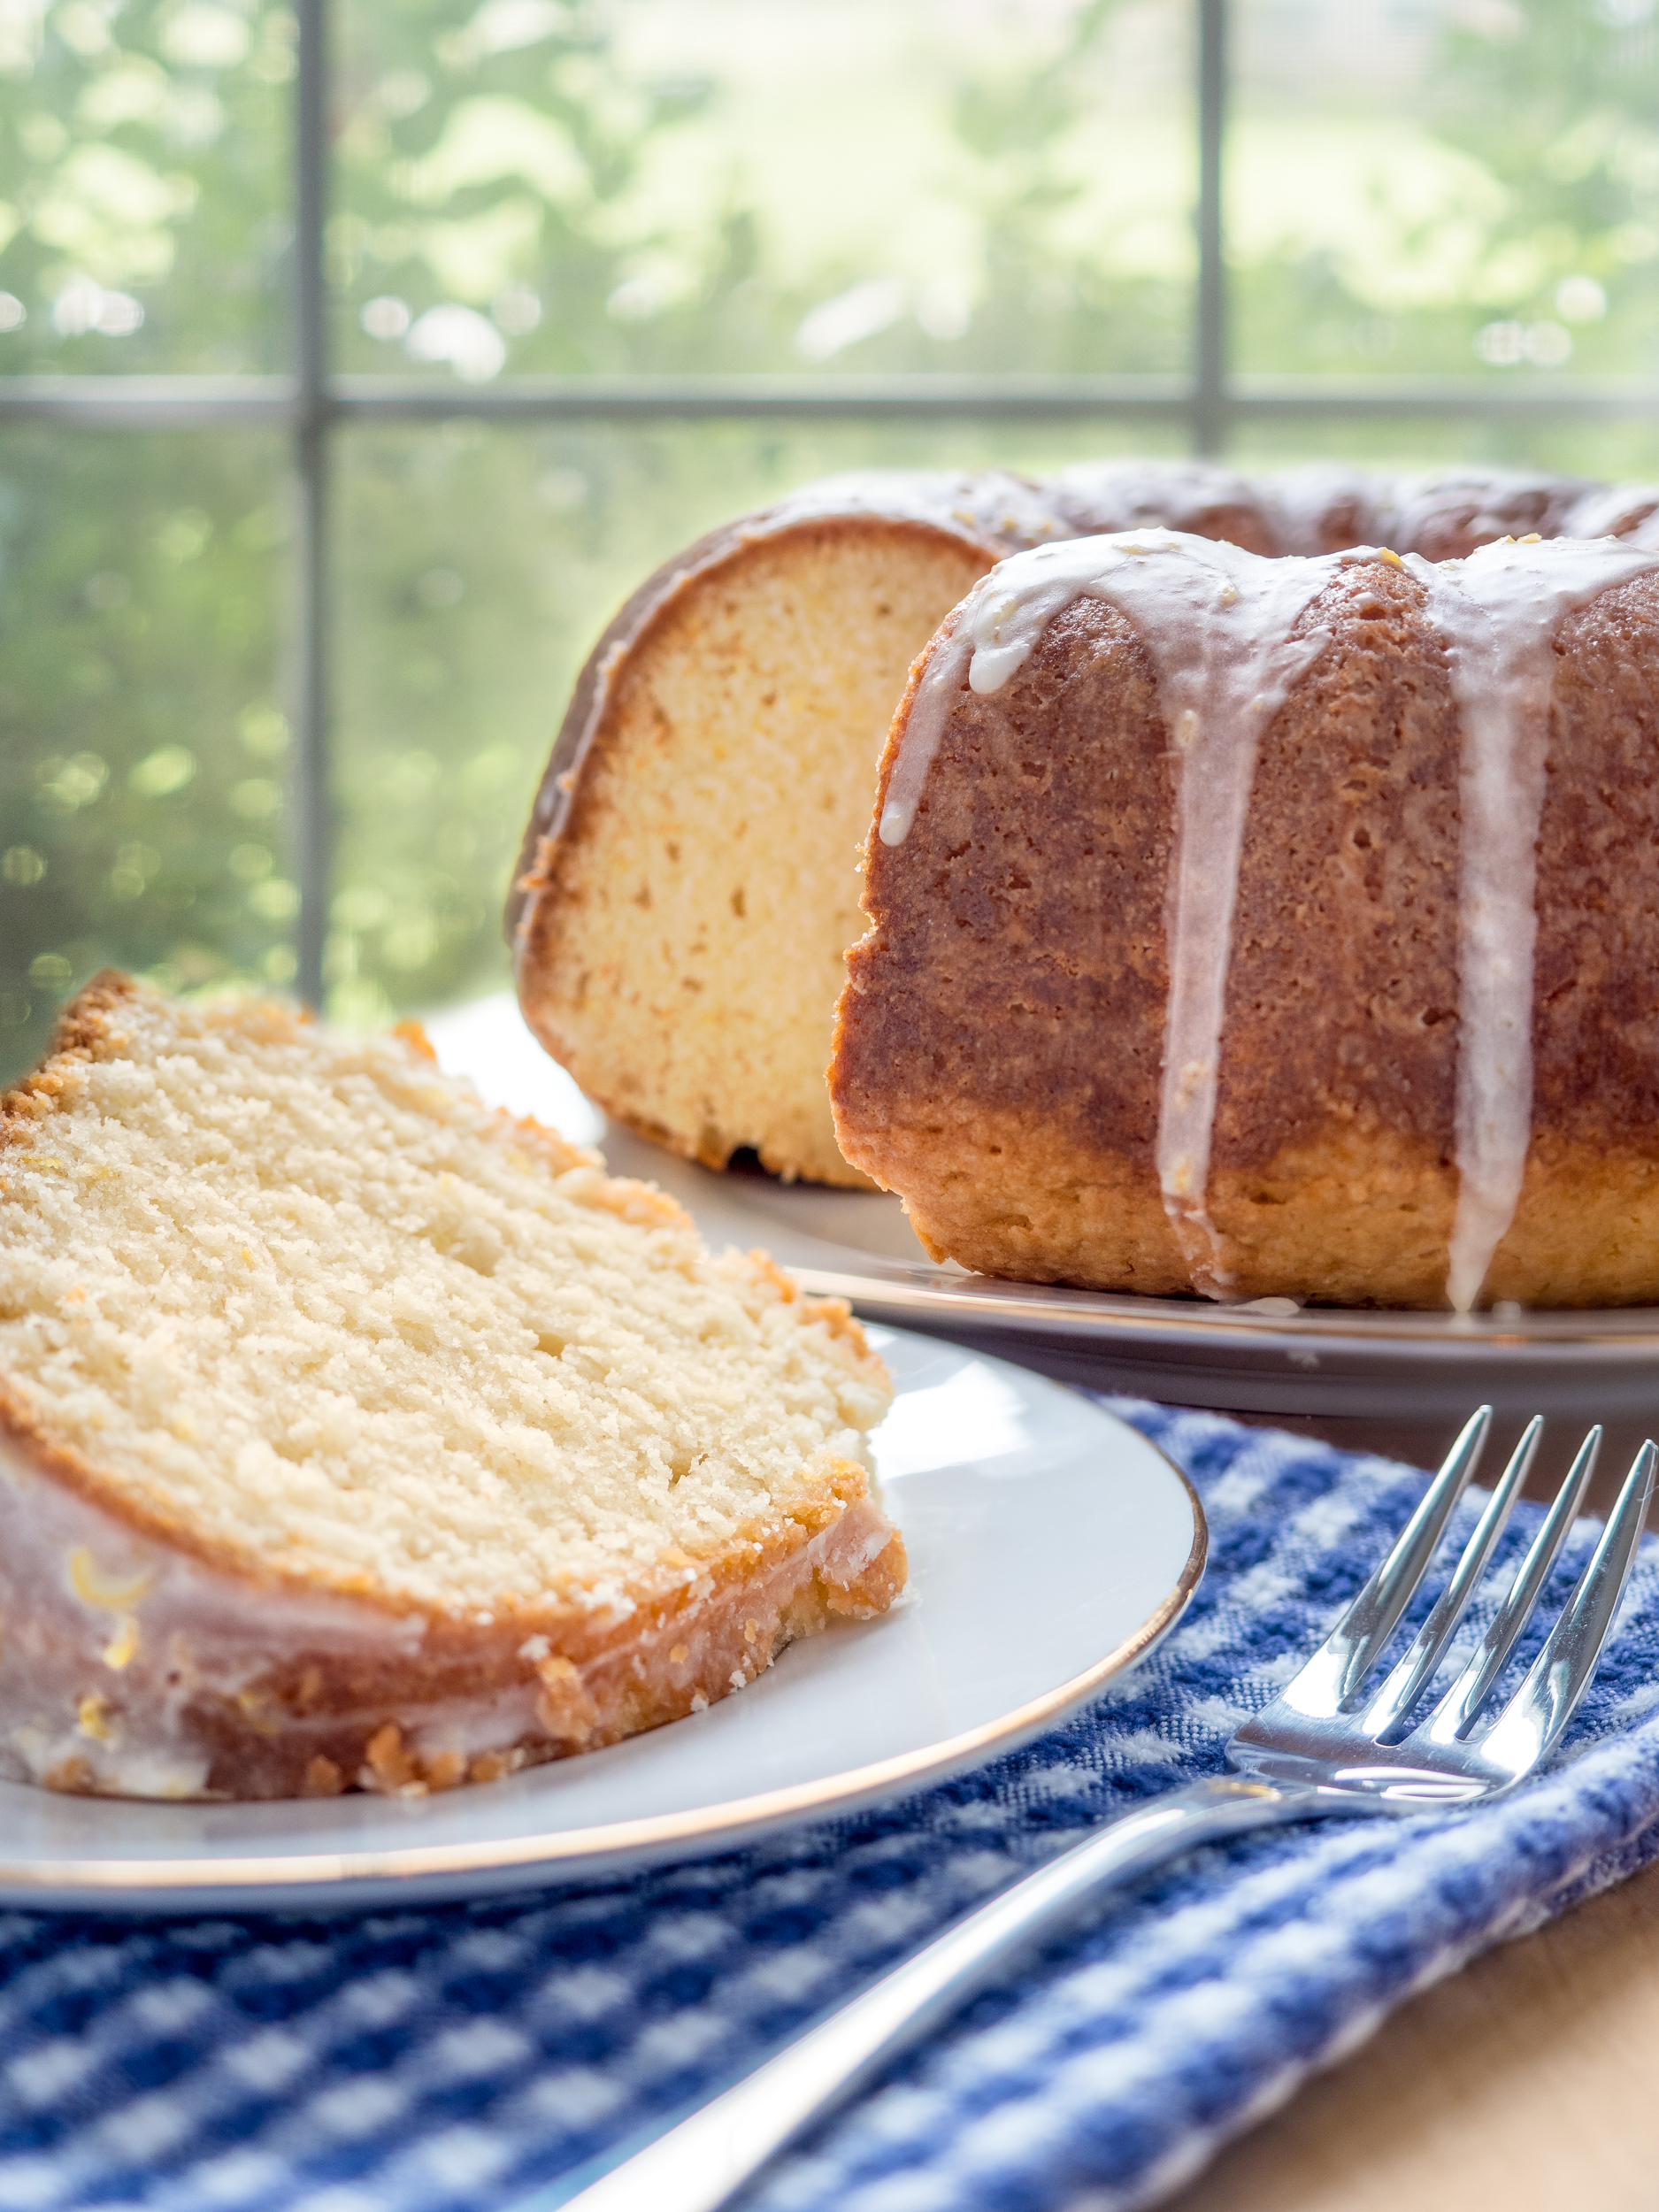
(1050, 1546)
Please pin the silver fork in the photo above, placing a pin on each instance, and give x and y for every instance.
(1329, 1743)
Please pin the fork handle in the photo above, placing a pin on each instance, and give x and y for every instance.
(701, 2163)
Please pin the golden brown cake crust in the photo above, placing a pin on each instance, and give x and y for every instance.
(998, 1053)
(1019, 926)
(140, 1656)
(138, 1662)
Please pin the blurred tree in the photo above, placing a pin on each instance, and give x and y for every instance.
(143, 185)
(1561, 103)
(513, 187)
(142, 743)
(1509, 220)
(1036, 139)
(545, 186)
(484, 165)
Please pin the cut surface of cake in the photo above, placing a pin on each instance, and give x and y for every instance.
(687, 894)
(1274, 926)
(353, 1434)
(689, 882)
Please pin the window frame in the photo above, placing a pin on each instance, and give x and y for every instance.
(1211, 400)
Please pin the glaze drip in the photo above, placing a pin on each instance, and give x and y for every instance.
(1498, 612)
(1220, 624)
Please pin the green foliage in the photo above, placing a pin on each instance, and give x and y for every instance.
(547, 187)
(1509, 220)
(522, 167)
(142, 750)
(480, 157)
(1562, 104)
(143, 192)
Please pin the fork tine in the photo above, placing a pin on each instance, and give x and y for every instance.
(1350, 1650)
(1454, 1714)
(1399, 1691)
(1529, 1725)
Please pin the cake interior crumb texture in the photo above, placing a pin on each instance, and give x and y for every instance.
(305, 1302)
(708, 885)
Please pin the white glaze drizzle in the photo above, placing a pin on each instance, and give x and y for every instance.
(1299, 503)
(1498, 612)
(1107, 497)
(982, 502)
(1218, 624)
(110, 1637)
(119, 1611)
(1627, 512)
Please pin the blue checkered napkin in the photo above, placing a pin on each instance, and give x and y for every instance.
(451, 2060)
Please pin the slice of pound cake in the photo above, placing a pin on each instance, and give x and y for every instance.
(353, 1434)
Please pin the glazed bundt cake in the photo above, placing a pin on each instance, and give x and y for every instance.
(683, 905)
(683, 899)
(1284, 926)
(352, 1434)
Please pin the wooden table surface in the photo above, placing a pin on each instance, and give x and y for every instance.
(1527, 2081)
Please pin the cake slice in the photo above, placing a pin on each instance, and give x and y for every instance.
(688, 884)
(354, 1434)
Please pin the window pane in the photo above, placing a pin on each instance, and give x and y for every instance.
(143, 193)
(477, 567)
(859, 184)
(1418, 188)
(143, 747)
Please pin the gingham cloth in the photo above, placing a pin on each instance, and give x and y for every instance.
(460, 2059)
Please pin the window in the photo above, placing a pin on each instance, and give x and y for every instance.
(355, 362)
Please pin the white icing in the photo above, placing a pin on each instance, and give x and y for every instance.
(1299, 503)
(113, 1641)
(1218, 623)
(1498, 612)
(94, 1616)
(1615, 510)
(982, 502)
(1108, 496)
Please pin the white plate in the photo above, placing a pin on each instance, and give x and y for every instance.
(1423, 1368)
(1050, 1548)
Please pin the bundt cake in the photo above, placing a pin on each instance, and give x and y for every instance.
(686, 889)
(354, 1434)
(1276, 924)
